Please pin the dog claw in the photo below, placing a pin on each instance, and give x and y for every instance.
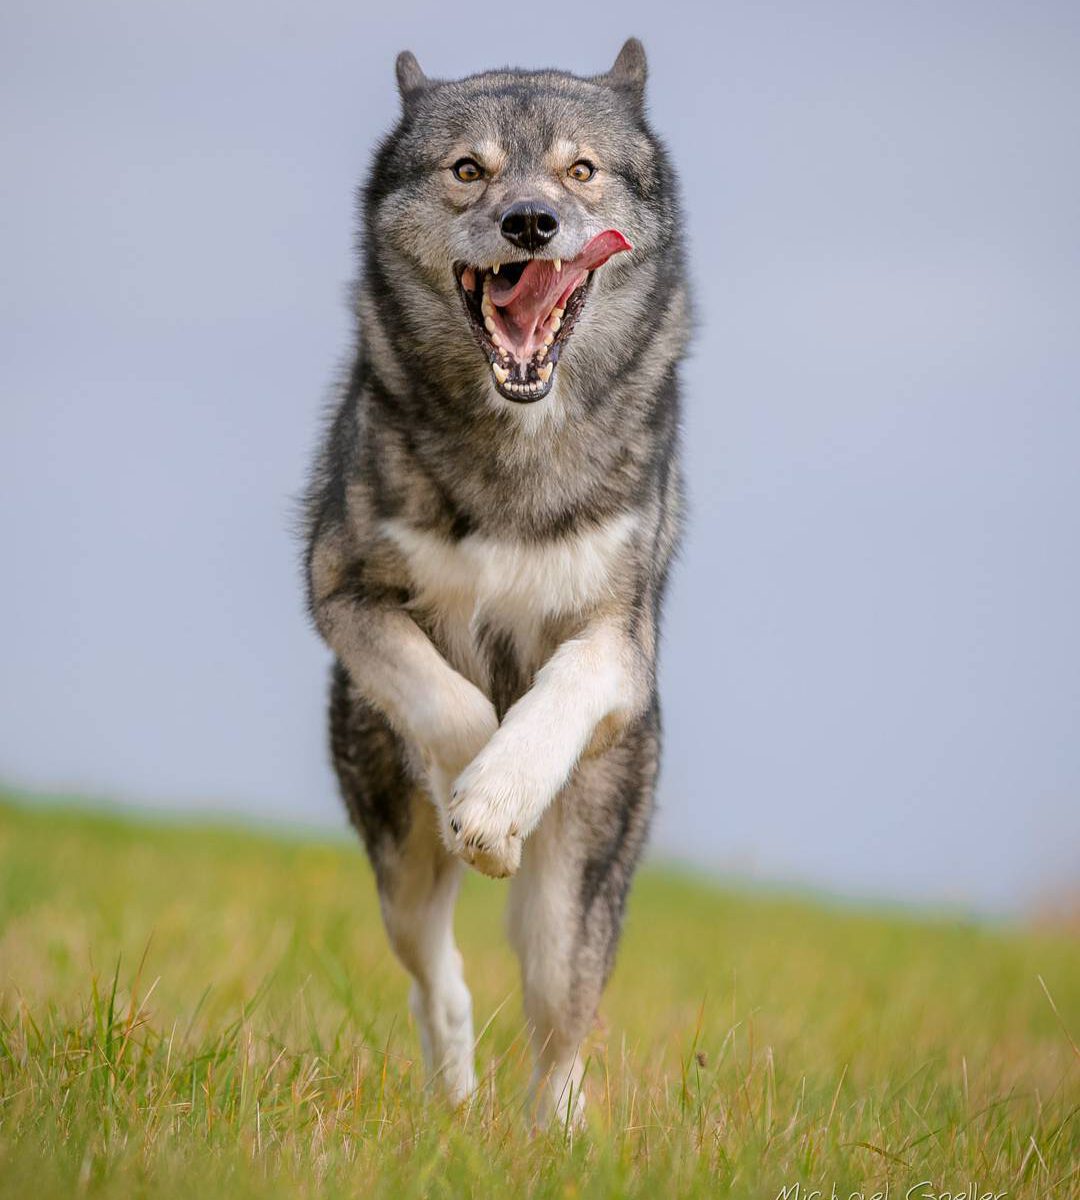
(496, 859)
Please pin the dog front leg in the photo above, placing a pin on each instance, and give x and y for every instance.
(590, 687)
(441, 716)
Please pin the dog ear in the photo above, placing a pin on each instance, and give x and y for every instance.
(411, 80)
(629, 71)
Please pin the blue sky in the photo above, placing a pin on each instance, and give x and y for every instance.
(871, 662)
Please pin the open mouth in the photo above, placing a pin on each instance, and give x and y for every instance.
(522, 313)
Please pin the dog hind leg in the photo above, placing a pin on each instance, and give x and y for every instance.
(417, 892)
(566, 909)
(417, 880)
(559, 1005)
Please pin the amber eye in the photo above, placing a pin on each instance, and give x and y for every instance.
(582, 170)
(468, 170)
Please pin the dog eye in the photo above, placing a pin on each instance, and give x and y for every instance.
(582, 170)
(468, 170)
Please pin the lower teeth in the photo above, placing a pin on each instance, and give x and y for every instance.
(503, 364)
(527, 387)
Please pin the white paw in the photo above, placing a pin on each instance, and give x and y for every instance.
(446, 1034)
(484, 815)
(557, 1095)
(458, 1079)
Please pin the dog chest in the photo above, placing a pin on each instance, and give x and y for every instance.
(509, 586)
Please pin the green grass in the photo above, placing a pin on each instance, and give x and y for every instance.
(196, 1012)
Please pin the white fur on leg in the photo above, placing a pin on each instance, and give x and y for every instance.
(501, 795)
(442, 1009)
(418, 911)
(556, 1086)
(543, 924)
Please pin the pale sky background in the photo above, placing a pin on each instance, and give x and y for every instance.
(872, 661)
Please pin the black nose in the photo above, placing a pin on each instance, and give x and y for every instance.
(529, 224)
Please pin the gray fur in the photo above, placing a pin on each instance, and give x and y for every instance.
(423, 447)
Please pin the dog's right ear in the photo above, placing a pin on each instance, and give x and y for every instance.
(411, 80)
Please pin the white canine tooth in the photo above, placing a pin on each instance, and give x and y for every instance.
(558, 266)
(500, 373)
(489, 325)
(495, 268)
(545, 372)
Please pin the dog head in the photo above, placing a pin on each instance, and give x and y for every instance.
(517, 224)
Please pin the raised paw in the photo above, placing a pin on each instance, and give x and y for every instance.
(483, 832)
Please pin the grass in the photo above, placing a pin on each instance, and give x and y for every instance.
(196, 1011)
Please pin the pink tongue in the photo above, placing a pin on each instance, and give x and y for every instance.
(524, 305)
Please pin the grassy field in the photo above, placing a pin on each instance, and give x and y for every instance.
(203, 1012)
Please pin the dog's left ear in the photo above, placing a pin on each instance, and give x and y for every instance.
(629, 71)
(411, 80)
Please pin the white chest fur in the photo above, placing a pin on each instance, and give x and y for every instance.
(512, 586)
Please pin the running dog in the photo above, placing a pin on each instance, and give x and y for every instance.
(490, 524)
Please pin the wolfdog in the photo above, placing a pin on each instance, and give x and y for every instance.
(490, 524)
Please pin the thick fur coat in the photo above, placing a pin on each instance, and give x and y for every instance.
(490, 525)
